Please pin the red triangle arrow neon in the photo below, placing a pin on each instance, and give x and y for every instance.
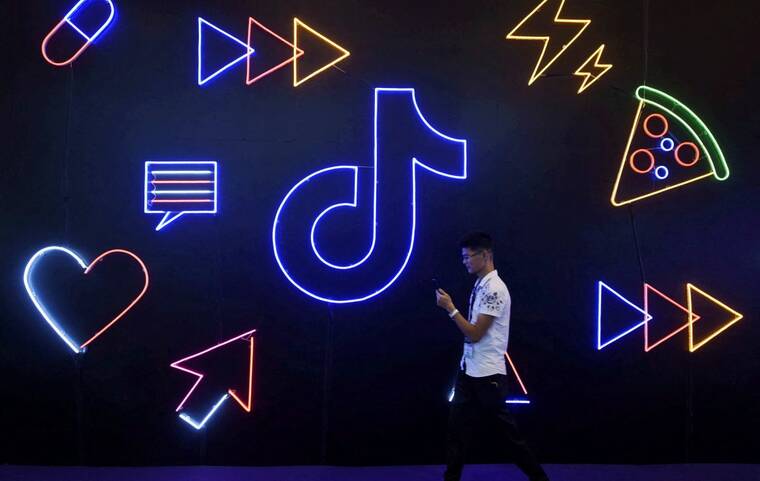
(247, 337)
(648, 347)
(291, 58)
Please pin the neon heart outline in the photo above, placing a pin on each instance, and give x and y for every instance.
(87, 268)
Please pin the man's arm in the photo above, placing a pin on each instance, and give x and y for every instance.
(474, 332)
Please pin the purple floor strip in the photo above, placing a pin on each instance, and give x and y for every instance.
(558, 472)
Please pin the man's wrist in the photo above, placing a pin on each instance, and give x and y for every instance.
(453, 313)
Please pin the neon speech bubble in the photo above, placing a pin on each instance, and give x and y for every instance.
(57, 328)
(175, 188)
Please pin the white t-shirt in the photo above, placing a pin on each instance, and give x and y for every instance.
(486, 357)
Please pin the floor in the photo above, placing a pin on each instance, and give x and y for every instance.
(557, 472)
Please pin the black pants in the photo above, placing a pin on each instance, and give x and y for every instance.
(484, 397)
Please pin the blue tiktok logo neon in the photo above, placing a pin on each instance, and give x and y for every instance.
(403, 141)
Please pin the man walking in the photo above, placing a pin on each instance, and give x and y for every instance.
(481, 386)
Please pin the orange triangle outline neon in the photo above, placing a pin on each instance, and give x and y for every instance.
(736, 317)
(344, 53)
(248, 79)
(694, 317)
(517, 374)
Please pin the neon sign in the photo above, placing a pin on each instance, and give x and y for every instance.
(648, 346)
(601, 289)
(520, 382)
(74, 345)
(249, 77)
(552, 48)
(200, 425)
(297, 52)
(357, 281)
(204, 25)
(588, 71)
(691, 317)
(691, 289)
(695, 159)
(245, 402)
(175, 188)
(68, 20)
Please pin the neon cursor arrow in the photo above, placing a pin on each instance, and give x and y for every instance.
(246, 337)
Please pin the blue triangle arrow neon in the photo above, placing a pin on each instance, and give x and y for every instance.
(645, 317)
(246, 48)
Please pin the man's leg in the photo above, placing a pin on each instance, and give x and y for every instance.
(492, 392)
(461, 414)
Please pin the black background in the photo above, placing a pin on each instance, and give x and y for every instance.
(367, 383)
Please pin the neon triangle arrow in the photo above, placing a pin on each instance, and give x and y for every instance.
(735, 316)
(246, 405)
(204, 25)
(646, 316)
(253, 22)
(343, 52)
(647, 289)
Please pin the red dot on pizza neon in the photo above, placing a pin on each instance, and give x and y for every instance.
(637, 156)
(650, 124)
(694, 154)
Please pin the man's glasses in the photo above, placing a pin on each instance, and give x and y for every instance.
(467, 257)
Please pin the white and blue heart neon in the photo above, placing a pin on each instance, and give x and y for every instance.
(35, 299)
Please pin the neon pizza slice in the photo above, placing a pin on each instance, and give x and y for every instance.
(700, 150)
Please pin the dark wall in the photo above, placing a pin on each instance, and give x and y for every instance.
(367, 383)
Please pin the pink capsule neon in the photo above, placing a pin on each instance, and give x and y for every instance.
(80, 7)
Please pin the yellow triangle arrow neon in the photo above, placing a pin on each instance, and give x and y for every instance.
(690, 288)
(298, 23)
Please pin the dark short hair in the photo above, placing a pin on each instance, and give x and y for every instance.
(477, 241)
